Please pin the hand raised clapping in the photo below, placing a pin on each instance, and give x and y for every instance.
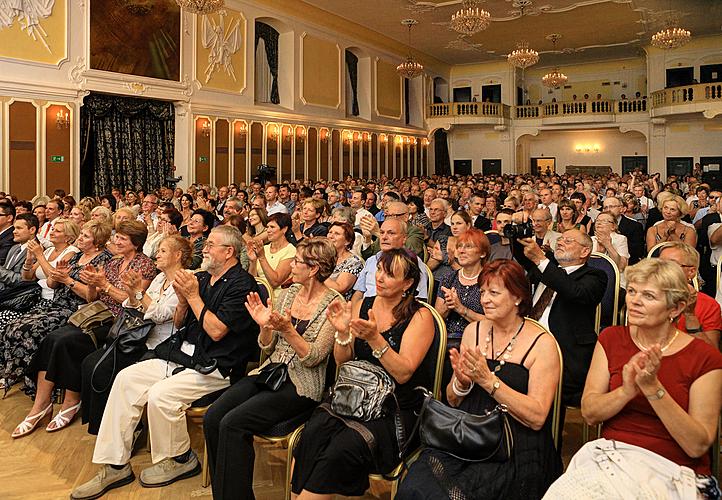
(339, 314)
(260, 313)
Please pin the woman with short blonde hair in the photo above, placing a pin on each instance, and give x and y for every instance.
(671, 227)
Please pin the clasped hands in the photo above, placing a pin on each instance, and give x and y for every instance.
(640, 372)
(339, 314)
(185, 285)
(451, 299)
(470, 366)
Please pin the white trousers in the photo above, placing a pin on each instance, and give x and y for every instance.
(167, 396)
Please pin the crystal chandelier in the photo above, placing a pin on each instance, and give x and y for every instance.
(523, 56)
(200, 6)
(671, 38)
(470, 19)
(410, 68)
(556, 78)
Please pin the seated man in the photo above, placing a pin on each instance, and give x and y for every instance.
(393, 235)
(370, 230)
(25, 229)
(567, 292)
(216, 338)
(701, 318)
(541, 219)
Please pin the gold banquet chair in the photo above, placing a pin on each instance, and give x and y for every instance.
(439, 344)
(197, 411)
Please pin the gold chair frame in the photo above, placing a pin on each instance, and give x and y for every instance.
(430, 285)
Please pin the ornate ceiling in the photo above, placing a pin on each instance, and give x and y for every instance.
(590, 29)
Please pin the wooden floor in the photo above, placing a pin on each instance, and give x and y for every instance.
(47, 466)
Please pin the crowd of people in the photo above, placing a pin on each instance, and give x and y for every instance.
(505, 260)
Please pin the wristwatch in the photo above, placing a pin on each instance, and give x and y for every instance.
(659, 394)
(377, 353)
(139, 295)
(495, 386)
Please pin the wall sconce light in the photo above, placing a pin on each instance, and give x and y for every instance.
(206, 129)
(407, 140)
(324, 135)
(273, 132)
(587, 148)
(287, 134)
(424, 142)
(383, 138)
(241, 129)
(365, 137)
(300, 134)
(348, 137)
(62, 120)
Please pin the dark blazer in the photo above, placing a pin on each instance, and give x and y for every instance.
(6, 242)
(636, 242)
(571, 319)
(13, 266)
(482, 223)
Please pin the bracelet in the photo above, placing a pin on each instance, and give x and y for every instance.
(343, 343)
(695, 330)
(106, 290)
(458, 390)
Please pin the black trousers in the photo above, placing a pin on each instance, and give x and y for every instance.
(245, 409)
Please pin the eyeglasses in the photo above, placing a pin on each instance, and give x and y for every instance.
(210, 245)
(387, 215)
(568, 240)
(297, 262)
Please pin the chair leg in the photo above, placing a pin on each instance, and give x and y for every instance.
(394, 488)
(585, 433)
(205, 473)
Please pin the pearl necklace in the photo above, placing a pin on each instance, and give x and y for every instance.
(506, 351)
(470, 278)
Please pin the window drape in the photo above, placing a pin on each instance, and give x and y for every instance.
(264, 78)
(352, 65)
(126, 143)
(270, 38)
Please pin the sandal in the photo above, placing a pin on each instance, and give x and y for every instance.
(31, 421)
(63, 418)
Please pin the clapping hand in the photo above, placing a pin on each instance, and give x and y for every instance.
(369, 227)
(456, 365)
(92, 276)
(365, 329)
(474, 366)
(131, 281)
(35, 248)
(692, 303)
(260, 313)
(61, 272)
(646, 366)
(339, 314)
(185, 284)
(451, 298)
(281, 322)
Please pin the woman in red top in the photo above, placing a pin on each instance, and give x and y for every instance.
(651, 384)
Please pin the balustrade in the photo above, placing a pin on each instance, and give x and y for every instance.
(491, 109)
(688, 94)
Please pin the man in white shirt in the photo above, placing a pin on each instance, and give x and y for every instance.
(358, 198)
(147, 214)
(547, 201)
(273, 206)
(53, 210)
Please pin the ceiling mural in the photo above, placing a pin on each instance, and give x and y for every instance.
(590, 29)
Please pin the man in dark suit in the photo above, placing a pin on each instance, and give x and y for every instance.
(476, 206)
(632, 229)
(7, 217)
(566, 294)
(25, 229)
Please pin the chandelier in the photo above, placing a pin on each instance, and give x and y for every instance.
(671, 38)
(470, 19)
(523, 56)
(410, 68)
(200, 6)
(556, 78)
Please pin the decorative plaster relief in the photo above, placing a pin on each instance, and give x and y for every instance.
(222, 44)
(136, 87)
(77, 71)
(29, 13)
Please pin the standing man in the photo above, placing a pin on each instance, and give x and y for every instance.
(357, 203)
(284, 196)
(273, 206)
(222, 199)
(547, 201)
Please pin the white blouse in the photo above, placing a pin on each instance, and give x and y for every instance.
(45, 291)
(160, 311)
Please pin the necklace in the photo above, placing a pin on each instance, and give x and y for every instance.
(470, 278)
(506, 351)
(643, 347)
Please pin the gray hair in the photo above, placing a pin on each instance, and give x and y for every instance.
(348, 214)
(231, 236)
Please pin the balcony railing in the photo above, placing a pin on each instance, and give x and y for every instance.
(688, 94)
(488, 109)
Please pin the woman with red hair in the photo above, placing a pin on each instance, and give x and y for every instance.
(503, 359)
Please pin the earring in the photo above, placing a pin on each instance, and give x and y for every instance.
(516, 303)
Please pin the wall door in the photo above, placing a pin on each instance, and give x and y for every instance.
(632, 163)
(679, 166)
(462, 167)
(491, 93)
(712, 171)
(491, 167)
(462, 94)
(543, 166)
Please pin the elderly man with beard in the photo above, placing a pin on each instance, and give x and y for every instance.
(216, 337)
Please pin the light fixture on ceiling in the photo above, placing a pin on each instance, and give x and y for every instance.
(523, 56)
(671, 37)
(410, 68)
(470, 19)
(556, 78)
(200, 6)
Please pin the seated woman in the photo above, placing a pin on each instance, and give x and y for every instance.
(460, 223)
(20, 339)
(169, 222)
(158, 304)
(186, 209)
(101, 213)
(608, 241)
(297, 332)
(348, 266)
(273, 261)
(503, 360)
(256, 228)
(199, 227)
(391, 331)
(79, 214)
(671, 227)
(567, 217)
(59, 357)
(39, 263)
(654, 387)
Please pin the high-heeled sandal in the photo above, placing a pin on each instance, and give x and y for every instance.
(31, 422)
(63, 418)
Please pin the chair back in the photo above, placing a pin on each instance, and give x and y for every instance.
(608, 310)
(265, 291)
(557, 404)
(430, 284)
(493, 236)
(438, 347)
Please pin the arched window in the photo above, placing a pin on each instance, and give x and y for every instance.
(266, 64)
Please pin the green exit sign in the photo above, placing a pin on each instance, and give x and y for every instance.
(203, 159)
(57, 159)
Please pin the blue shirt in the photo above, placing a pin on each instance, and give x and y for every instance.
(366, 281)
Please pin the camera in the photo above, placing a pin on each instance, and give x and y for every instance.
(518, 231)
(265, 172)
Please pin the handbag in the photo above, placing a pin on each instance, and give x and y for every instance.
(130, 330)
(604, 469)
(361, 391)
(90, 317)
(272, 376)
(20, 296)
(468, 437)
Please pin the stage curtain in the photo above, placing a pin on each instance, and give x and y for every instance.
(352, 65)
(270, 39)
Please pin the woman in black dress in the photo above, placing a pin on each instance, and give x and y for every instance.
(390, 330)
(504, 359)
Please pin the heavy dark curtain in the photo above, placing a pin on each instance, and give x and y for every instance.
(270, 39)
(125, 143)
(352, 65)
(441, 156)
(407, 100)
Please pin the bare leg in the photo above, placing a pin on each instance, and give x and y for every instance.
(71, 399)
(43, 394)
(307, 495)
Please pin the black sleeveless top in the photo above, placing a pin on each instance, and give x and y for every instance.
(408, 398)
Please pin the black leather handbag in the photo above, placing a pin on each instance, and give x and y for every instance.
(468, 437)
(20, 296)
(130, 330)
(272, 376)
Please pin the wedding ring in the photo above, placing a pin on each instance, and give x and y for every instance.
(473, 369)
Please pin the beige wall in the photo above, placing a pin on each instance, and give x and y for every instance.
(388, 90)
(321, 77)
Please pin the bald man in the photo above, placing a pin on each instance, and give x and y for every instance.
(370, 230)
